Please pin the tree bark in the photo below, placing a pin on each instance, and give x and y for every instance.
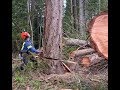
(29, 18)
(74, 42)
(81, 52)
(91, 59)
(75, 16)
(52, 44)
(82, 19)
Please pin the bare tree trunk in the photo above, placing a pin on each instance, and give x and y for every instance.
(86, 13)
(29, 18)
(40, 30)
(99, 2)
(82, 19)
(52, 44)
(71, 4)
(75, 14)
(72, 19)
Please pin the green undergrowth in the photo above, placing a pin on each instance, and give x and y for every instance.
(30, 76)
(24, 78)
(67, 50)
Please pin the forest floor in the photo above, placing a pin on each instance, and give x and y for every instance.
(37, 78)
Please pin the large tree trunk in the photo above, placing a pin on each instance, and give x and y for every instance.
(82, 19)
(86, 12)
(52, 44)
(72, 18)
(75, 16)
(98, 30)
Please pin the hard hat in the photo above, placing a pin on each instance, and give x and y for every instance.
(25, 35)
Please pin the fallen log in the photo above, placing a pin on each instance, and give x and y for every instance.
(95, 58)
(85, 61)
(91, 59)
(74, 42)
(81, 52)
(98, 30)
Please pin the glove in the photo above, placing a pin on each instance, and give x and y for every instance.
(20, 57)
(37, 52)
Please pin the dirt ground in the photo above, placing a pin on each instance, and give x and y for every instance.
(38, 79)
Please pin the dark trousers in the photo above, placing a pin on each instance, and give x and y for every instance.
(27, 57)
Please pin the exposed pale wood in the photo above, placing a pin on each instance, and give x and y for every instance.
(85, 61)
(91, 59)
(99, 34)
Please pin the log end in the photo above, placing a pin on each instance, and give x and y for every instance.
(85, 61)
(98, 30)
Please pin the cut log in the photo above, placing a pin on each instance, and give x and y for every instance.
(98, 29)
(95, 58)
(74, 42)
(81, 52)
(91, 59)
(86, 61)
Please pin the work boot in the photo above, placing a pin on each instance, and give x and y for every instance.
(35, 63)
(21, 66)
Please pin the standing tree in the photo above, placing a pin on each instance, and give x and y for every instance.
(75, 14)
(29, 5)
(52, 42)
(82, 19)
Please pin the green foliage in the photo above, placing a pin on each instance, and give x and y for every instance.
(91, 8)
(67, 50)
(20, 21)
(101, 86)
(36, 84)
(104, 5)
(20, 79)
(33, 78)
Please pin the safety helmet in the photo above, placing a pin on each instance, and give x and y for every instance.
(24, 35)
